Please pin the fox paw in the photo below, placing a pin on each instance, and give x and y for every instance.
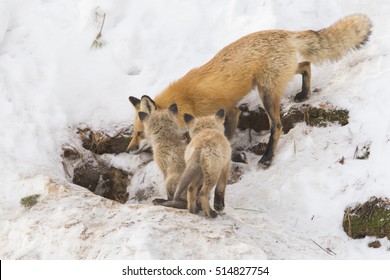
(213, 214)
(301, 96)
(219, 205)
(159, 201)
(264, 163)
(239, 157)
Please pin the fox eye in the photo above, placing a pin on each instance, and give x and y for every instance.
(140, 133)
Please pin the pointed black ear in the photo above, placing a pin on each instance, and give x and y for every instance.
(135, 101)
(188, 118)
(147, 104)
(142, 116)
(173, 109)
(220, 113)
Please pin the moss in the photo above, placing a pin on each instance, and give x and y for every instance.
(371, 218)
(257, 119)
(320, 117)
(29, 201)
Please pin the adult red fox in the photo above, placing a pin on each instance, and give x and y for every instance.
(267, 60)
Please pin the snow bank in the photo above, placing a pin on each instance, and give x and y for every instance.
(51, 81)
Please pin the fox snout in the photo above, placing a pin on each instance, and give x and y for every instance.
(136, 148)
(133, 145)
(131, 150)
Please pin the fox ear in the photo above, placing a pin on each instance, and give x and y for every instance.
(220, 114)
(188, 118)
(173, 109)
(147, 104)
(135, 101)
(143, 116)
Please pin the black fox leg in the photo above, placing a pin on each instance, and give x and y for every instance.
(271, 102)
(304, 69)
(231, 122)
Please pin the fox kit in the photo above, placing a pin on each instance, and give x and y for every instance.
(162, 128)
(207, 159)
(266, 60)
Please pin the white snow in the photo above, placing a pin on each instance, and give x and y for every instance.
(51, 82)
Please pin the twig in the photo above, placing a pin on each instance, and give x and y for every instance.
(327, 250)
(66, 169)
(97, 43)
(143, 178)
(247, 209)
(101, 28)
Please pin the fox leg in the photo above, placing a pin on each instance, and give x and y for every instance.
(305, 70)
(192, 194)
(204, 196)
(271, 104)
(170, 185)
(231, 122)
(219, 195)
(190, 174)
(209, 181)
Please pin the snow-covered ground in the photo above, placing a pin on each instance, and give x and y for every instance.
(51, 81)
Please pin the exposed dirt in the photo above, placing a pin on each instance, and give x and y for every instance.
(100, 142)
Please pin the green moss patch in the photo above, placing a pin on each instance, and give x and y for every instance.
(322, 117)
(29, 201)
(257, 119)
(371, 218)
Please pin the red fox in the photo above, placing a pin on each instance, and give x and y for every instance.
(207, 162)
(266, 60)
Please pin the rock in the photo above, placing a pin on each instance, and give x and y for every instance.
(362, 151)
(375, 244)
(371, 218)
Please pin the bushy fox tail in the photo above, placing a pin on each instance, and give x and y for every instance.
(333, 42)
